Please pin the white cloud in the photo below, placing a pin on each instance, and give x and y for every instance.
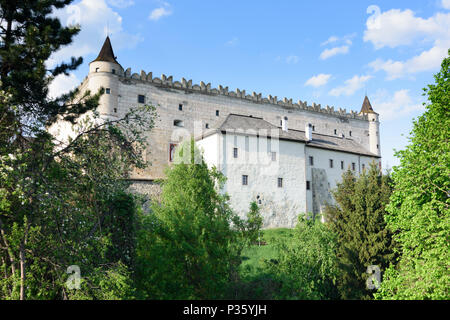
(350, 86)
(396, 106)
(62, 84)
(331, 39)
(233, 42)
(96, 19)
(396, 28)
(318, 81)
(446, 4)
(328, 53)
(160, 12)
(121, 3)
(427, 60)
(292, 59)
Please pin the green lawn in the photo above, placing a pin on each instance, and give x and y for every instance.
(253, 257)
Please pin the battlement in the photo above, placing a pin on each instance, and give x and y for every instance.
(187, 85)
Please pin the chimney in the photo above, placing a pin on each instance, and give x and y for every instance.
(308, 131)
(284, 124)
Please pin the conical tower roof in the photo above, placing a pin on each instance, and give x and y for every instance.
(366, 106)
(106, 53)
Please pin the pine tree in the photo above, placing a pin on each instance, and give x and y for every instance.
(358, 220)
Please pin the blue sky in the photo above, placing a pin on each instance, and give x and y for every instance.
(323, 51)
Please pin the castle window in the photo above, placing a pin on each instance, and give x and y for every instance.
(331, 163)
(342, 165)
(178, 123)
(244, 180)
(108, 90)
(235, 152)
(180, 107)
(353, 166)
(378, 146)
(96, 69)
(280, 182)
(207, 126)
(115, 110)
(314, 128)
(308, 185)
(113, 71)
(311, 161)
(335, 131)
(217, 113)
(274, 156)
(141, 98)
(350, 133)
(172, 151)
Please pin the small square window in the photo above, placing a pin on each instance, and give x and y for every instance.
(96, 69)
(244, 180)
(217, 113)
(235, 152)
(180, 107)
(141, 98)
(115, 110)
(113, 71)
(274, 156)
(311, 161)
(331, 163)
(280, 182)
(178, 123)
(108, 91)
(308, 185)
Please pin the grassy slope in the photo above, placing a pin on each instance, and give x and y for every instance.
(253, 257)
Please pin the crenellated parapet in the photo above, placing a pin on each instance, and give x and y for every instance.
(205, 88)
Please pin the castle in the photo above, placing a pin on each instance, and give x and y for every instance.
(286, 156)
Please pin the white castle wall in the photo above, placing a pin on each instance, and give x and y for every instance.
(278, 206)
(200, 103)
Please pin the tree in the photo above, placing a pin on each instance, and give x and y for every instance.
(59, 206)
(419, 206)
(358, 220)
(187, 248)
(306, 267)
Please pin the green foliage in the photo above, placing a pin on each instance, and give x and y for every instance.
(306, 266)
(419, 206)
(358, 221)
(61, 203)
(254, 223)
(187, 248)
(111, 283)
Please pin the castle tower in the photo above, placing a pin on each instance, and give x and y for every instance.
(104, 72)
(374, 127)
